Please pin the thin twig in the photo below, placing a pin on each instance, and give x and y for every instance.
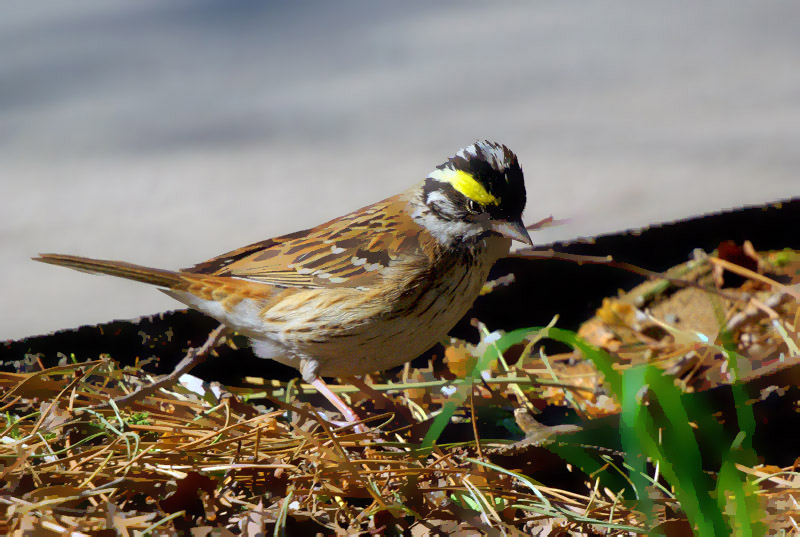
(747, 273)
(528, 253)
(195, 356)
(475, 423)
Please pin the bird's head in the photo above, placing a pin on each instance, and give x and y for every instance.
(479, 191)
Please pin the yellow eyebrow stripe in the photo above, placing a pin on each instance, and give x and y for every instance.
(467, 185)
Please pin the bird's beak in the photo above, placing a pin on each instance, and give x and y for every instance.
(511, 230)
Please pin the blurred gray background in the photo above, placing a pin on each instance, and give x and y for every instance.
(164, 133)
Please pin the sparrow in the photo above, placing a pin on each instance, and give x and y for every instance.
(367, 291)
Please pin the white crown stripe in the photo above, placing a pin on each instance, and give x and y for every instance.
(444, 175)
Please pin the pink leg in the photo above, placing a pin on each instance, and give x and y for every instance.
(340, 405)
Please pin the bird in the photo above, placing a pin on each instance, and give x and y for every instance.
(367, 291)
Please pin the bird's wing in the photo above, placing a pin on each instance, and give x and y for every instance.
(354, 250)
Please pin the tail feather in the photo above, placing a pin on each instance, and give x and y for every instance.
(162, 278)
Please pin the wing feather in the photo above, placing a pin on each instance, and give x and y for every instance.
(354, 250)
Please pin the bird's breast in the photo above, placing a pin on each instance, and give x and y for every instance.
(358, 332)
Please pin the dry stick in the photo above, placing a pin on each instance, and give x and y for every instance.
(361, 384)
(747, 273)
(527, 253)
(475, 423)
(757, 310)
(194, 357)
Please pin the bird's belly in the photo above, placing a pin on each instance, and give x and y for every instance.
(370, 338)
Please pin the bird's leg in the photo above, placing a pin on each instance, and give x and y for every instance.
(337, 401)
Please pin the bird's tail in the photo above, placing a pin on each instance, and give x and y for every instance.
(162, 278)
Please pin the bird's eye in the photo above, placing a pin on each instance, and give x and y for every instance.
(473, 206)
